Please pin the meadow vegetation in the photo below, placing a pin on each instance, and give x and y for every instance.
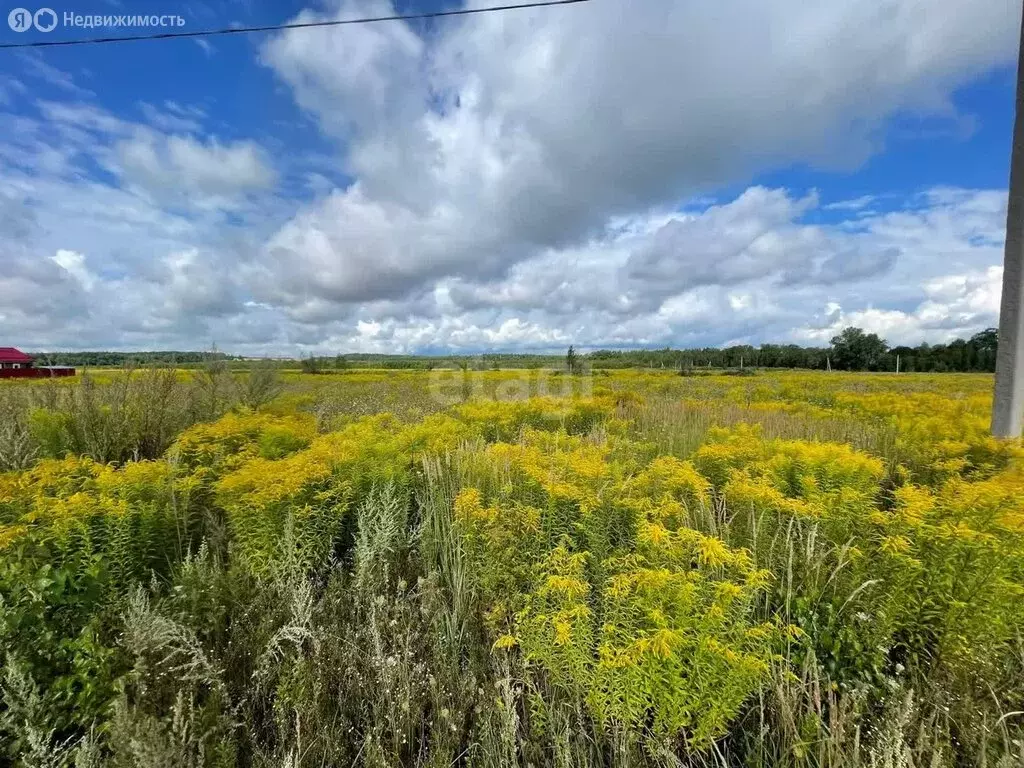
(493, 568)
(852, 349)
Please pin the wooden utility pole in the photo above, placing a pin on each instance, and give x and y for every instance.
(1008, 400)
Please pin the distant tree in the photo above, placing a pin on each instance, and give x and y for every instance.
(259, 386)
(310, 365)
(572, 360)
(984, 345)
(213, 380)
(986, 341)
(854, 350)
(340, 363)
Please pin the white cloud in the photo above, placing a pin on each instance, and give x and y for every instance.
(174, 168)
(512, 133)
(9, 88)
(182, 164)
(955, 306)
(172, 117)
(856, 204)
(74, 264)
(519, 180)
(37, 67)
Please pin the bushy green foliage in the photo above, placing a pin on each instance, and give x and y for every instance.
(130, 415)
(259, 386)
(827, 582)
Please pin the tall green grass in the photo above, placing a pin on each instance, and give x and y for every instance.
(393, 592)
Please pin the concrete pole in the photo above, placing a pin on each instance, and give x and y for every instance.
(1008, 402)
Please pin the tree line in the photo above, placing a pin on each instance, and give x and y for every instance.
(851, 350)
(107, 359)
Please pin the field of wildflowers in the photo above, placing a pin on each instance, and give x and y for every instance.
(510, 568)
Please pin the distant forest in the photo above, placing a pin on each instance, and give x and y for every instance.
(106, 359)
(853, 350)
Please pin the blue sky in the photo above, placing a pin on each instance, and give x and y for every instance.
(608, 174)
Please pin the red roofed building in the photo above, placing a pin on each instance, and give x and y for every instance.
(11, 358)
(15, 364)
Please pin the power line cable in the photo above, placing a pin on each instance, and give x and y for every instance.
(297, 25)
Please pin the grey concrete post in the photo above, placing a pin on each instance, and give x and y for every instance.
(1008, 402)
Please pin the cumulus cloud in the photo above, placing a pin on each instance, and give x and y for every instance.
(518, 132)
(107, 262)
(955, 307)
(519, 180)
(74, 264)
(759, 237)
(37, 294)
(172, 166)
(182, 164)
